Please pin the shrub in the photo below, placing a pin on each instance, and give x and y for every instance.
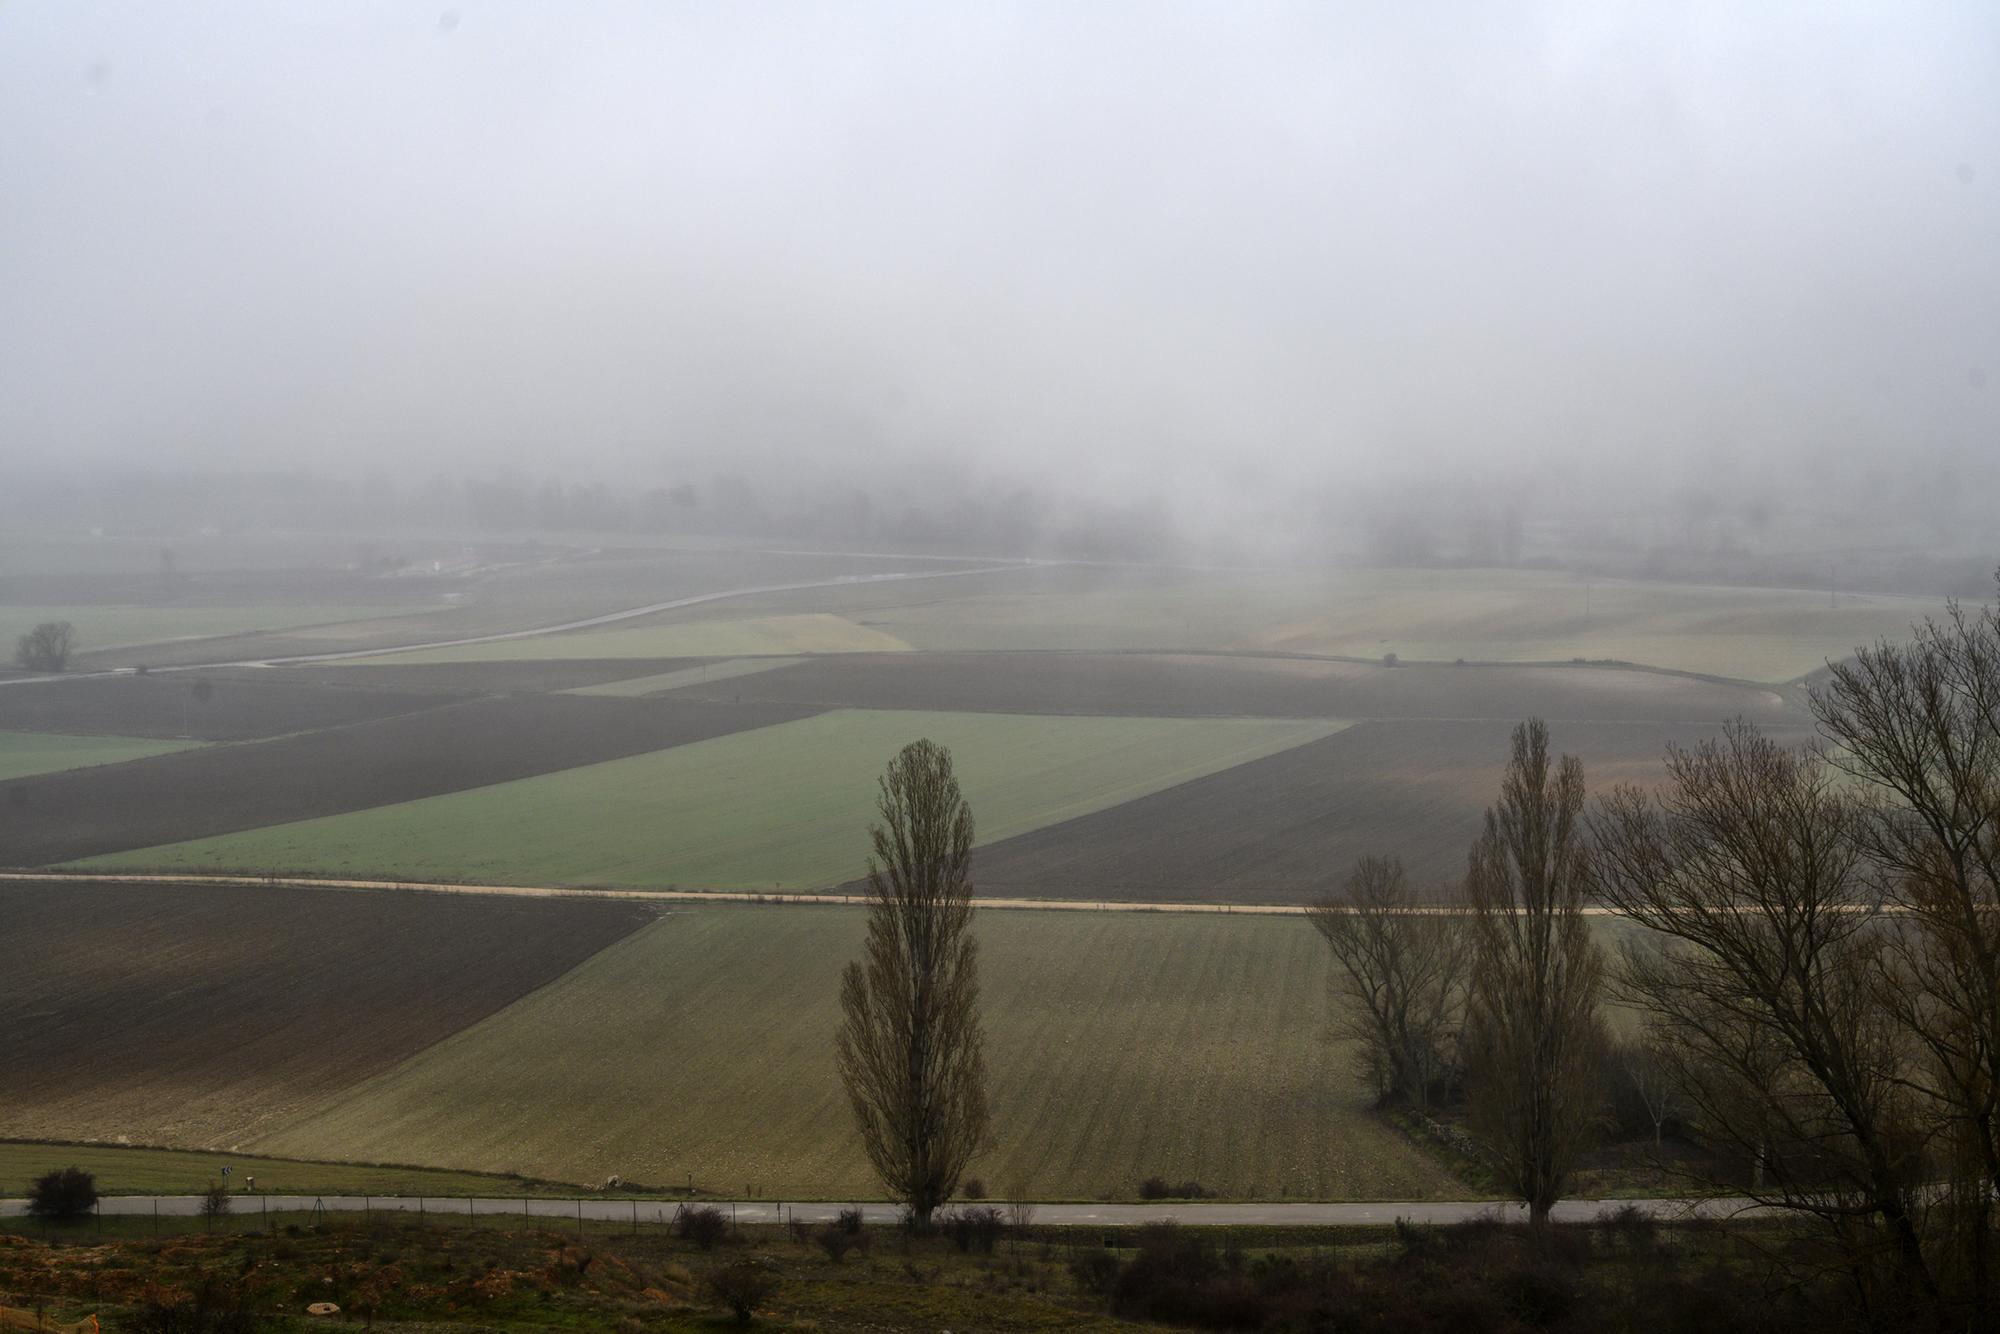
(837, 1241)
(974, 1189)
(849, 1221)
(1631, 1228)
(976, 1227)
(704, 1225)
(1539, 1295)
(742, 1287)
(215, 1202)
(1178, 1279)
(1159, 1188)
(1095, 1271)
(61, 1195)
(1390, 660)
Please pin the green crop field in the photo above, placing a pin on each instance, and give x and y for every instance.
(759, 636)
(107, 627)
(24, 753)
(707, 674)
(123, 1170)
(778, 807)
(1120, 1045)
(1756, 634)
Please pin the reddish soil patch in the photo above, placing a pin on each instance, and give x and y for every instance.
(1284, 829)
(198, 1015)
(59, 817)
(1234, 686)
(162, 706)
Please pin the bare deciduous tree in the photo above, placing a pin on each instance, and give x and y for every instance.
(46, 648)
(1533, 1033)
(1647, 1069)
(1402, 965)
(910, 1049)
(1919, 724)
(1761, 988)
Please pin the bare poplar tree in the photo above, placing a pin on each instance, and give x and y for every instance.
(1761, 989)
(1402, 965)
(1534, 1037)
(910, 1049)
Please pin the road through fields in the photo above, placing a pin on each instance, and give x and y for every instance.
(657, 1211)
(586, 623)
(654, 895)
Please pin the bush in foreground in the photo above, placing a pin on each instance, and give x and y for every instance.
(742, 1287)
(975, 1228)
(704, 1225)
(64, 1194)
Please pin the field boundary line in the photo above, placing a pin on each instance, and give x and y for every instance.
(772, 897)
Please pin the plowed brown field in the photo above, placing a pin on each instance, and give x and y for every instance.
(196, 1016)
(1284, 829)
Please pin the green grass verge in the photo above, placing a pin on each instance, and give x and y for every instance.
(780, 807)
(23, 753)
(108, 627)
(686, 676)
(1120, 1046)
(122, 1170)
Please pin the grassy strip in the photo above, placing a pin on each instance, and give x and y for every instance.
(126, 1170)
(24, 753)
(782, 807)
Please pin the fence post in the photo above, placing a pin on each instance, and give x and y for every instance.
(579, 1217)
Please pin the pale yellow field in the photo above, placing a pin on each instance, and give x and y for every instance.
(1121, 1045)
(1754, 634)
(813, 632)
(687, 676)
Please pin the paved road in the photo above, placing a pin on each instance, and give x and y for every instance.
(765, 1211)
(666, 895)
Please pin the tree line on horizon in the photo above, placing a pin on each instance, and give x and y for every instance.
(1815, 985)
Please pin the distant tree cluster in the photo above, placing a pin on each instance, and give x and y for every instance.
(46, 648)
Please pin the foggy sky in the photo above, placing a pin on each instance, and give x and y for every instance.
(1208, 249)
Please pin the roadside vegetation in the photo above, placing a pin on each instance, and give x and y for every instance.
(976, 1271)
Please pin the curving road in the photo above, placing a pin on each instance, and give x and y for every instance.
(586, 623)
